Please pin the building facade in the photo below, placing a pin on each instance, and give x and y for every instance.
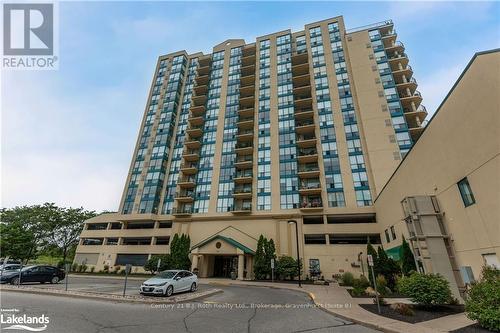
(445, 196)
(305, 126)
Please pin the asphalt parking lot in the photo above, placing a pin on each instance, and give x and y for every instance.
(236, 309)
(104, 285)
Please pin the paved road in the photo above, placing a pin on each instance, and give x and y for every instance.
(237, 309)
(98, 285)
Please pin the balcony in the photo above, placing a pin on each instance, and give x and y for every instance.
(185, 196)
(407, 84)
(302, 90)
(299, 58)
(247, 81)
(310, 203)
(310, 186)
(244, 148)
(197, 121)
(396, 58)
(395, 47)
(195, 131)
(186, 182)
(246, 112)
(248, 59)
(309, 170)
(301, 80)
(389, 38)
(189, 168)
(307, 155)
(242, 207)
(197, 110)
(247, 91)
(411, 99)
(205, 70)
(245, 122)
(244, 162)
(248, 70)
(304, 114)
(300, 69)
(402, 72)
(200, 89)
(191, 155)
(303, 101)
(198, 100)
(415, 116)
(205, 61)
(192, 143)
(248, 50)
(183, 210)
(242, 192)
(245, 135)
(202, 80)
(302, 127)
(247, 102)
(243, 177)
(306, 141)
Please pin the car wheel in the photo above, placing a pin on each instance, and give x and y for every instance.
(169, 291)
(14, 281)
(55, 280)
(193, 287)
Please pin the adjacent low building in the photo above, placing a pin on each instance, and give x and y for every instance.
(304, 126)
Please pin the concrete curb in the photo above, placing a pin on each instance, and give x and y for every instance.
(345, 317)
(114, 297)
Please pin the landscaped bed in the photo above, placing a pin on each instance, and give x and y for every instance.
(420, 313)
(365, 295)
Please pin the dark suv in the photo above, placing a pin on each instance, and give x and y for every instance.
(38, 273)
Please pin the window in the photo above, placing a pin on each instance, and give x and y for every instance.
(387, 238)
(393, 233)
(466, 192)
(315, 239)
(162, 240)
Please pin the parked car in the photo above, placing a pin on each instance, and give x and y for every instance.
(38, 273)
(10, 267)
(9, 261)
(168, 282)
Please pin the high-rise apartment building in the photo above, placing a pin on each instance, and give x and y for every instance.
(305, 126)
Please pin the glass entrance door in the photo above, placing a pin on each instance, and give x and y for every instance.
(224, 265)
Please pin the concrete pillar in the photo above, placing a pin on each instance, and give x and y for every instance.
(194, 262)
(241, 257)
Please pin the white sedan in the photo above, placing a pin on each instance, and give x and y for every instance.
(168, 282)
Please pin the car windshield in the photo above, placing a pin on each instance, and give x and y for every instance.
(166, 274)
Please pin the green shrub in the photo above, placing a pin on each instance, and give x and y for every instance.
(483, 302)
(362, 282)
(425, 289)
(74, 267)
(106, 268)
(348, 279)
(358, 291)
(166, 262)
(286, 268)
(92, 269)
(381, 285)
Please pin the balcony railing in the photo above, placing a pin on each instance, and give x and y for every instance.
(244, 207)
(309, 168)
(242, 190)
(182, 210)
(242, 145)
(243, 174)
(311, 203)
(307, 152)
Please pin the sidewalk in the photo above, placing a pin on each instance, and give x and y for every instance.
(337, 301)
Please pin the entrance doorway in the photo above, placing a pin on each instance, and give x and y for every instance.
(224, 265)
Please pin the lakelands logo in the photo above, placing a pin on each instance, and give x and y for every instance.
(29, 36)
(23, 322)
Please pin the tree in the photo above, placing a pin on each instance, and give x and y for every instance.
(165, 263)
(386, 267)
(51, 228)
(287, 267)
(259, 266)
(407, 258)
(483, 301)
(370, 250)
(179, 251)
(16, 241)
(66, 226)
(270, 253)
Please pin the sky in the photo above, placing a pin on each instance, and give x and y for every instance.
(68, 135)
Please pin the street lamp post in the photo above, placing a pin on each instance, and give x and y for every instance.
(297, 239)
